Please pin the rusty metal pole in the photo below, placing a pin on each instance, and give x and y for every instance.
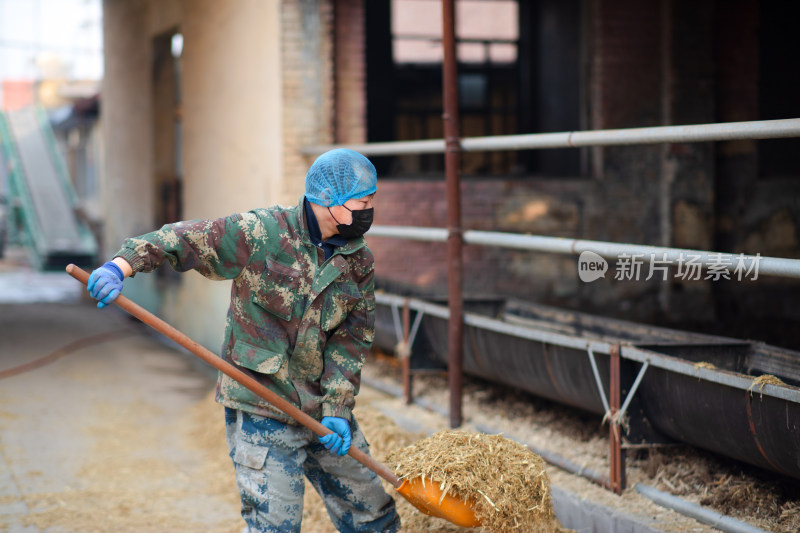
(617, 454)
(452, 163)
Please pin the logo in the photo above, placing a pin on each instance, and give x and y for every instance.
(688, 266)
(591, 267)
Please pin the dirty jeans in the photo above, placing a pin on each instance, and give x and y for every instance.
(271, 458)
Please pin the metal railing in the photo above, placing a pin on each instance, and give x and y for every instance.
(763, 129)
(724, 264)
(756, 264)
(726, 131)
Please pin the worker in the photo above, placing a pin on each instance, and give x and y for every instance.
(301, 322)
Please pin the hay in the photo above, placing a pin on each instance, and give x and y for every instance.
(128, 481)
(727, 487)
(764, 379)
(704, 364)
(507, 483)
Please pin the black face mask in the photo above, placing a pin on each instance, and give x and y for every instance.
(362, 220)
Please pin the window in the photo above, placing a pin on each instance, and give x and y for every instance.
(779, 78)
(519, 67)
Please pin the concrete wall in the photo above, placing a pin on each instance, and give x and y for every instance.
(233, 157)
(128, 197)
(231, 94)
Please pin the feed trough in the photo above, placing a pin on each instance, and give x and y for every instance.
(734, 397)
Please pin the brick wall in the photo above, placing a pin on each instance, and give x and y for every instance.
(621, 203)
(535, 206)
(650, 64)
(307, 68)
(625, 54)
(350, 72)
(321, 105)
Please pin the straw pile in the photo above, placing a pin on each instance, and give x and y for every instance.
(507, 482)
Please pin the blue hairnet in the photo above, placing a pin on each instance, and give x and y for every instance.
(340, 175)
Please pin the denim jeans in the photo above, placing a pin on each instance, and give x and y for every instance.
(271, 458)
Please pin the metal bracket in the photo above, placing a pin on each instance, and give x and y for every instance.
(398, 323)
(602, 392)
(403, 343)
(634, 387)
(614, 413)
(599, 381)
(405, 339)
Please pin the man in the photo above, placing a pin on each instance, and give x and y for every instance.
(301, 321)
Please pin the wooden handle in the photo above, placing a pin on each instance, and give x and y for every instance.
(234, 373)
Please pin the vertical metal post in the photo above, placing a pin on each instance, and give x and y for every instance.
(452, 165)
(407, 392)
(669, 165)
(616, 453)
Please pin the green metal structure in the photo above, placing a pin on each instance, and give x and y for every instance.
(40, 201)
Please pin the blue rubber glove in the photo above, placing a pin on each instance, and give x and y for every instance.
(337, 442)
(105, 284)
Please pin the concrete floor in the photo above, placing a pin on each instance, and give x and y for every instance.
(95, 430)
(88, 422)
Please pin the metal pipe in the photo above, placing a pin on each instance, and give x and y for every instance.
(415, 303)
(726, 131)
(452, 164)
(755, 264)
(398, 328)
(668, 171)
(706, 516)
(713, 375)
(431, 146)
(414, 233)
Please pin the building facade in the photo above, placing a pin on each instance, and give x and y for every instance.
(216, 126)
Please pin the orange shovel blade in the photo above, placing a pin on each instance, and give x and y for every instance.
(426, 499)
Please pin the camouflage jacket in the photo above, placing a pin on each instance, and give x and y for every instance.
(300, 325)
